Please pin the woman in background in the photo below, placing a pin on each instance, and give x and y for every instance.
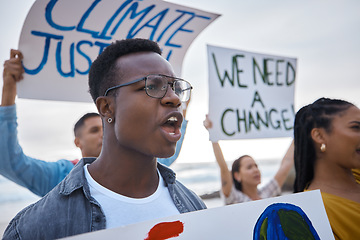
(241, 184)
(327, 152)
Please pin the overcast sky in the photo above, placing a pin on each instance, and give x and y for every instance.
(323, 35)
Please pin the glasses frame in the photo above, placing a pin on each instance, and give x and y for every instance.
(172, 84)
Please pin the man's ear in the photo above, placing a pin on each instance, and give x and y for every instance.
(77, 142)
(318, 135)
(105, 106)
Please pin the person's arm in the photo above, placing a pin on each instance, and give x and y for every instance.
(36, 175)
(286, 164)
(13, 73)
(226, 179)
(225, 174)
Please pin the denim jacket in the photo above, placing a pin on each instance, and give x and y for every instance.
(37, 175)
(69, 208)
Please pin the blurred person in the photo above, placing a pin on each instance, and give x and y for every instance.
(241, 184)
(34, 174)
(139, 100)
(327, 150)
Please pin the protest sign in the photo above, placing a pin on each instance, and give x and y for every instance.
(296, 216)
(60, 39)
(251, 95)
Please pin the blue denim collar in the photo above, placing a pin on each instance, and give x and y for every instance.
(76, 178)
(167, 174)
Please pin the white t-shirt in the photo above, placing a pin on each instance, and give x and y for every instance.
(120, 210)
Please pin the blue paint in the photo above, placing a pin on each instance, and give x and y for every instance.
(78, 49)
(48, 38)
(129, 10)
(181, 28)
(160, 16)
(71, 73)
(58, 58)
(80, 26)
(48, 16)
(276, 231)
(133, 15)
(167, 57)
(111, 20)
(183, 13)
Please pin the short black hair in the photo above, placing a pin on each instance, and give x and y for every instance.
(319, 114)
(103, 69)
(81, 122)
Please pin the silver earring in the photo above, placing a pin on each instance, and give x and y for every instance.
(323, 147)
(109, 120)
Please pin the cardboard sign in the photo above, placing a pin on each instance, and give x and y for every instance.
(302, 214)
(251, 95)
(60, 39)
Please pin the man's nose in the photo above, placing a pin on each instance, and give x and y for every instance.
(171, 98)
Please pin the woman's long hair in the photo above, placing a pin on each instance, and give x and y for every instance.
(316, 115)
(236, 168)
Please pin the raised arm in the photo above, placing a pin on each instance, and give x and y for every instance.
(36, 175)
(13, 72)
(286, 164)
(225, 174)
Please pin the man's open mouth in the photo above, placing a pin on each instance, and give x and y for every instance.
(172, 125)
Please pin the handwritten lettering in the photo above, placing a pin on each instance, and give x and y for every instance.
(257, 98)
(235, 71)
(252, 120)
(272, 72)
(266, 74)
(157, 24)
(251, 94)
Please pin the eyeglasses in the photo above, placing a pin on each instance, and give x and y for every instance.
(156, 86)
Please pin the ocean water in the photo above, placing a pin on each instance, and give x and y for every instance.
(202, 178)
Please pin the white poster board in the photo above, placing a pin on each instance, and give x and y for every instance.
(251, 95)
(60, 39)
(301, 213)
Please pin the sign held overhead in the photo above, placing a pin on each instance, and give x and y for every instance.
(251, 95)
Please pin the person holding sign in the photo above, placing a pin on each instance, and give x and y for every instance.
(37, 175)
(241, 184)
(327, 157)
(139, 101)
